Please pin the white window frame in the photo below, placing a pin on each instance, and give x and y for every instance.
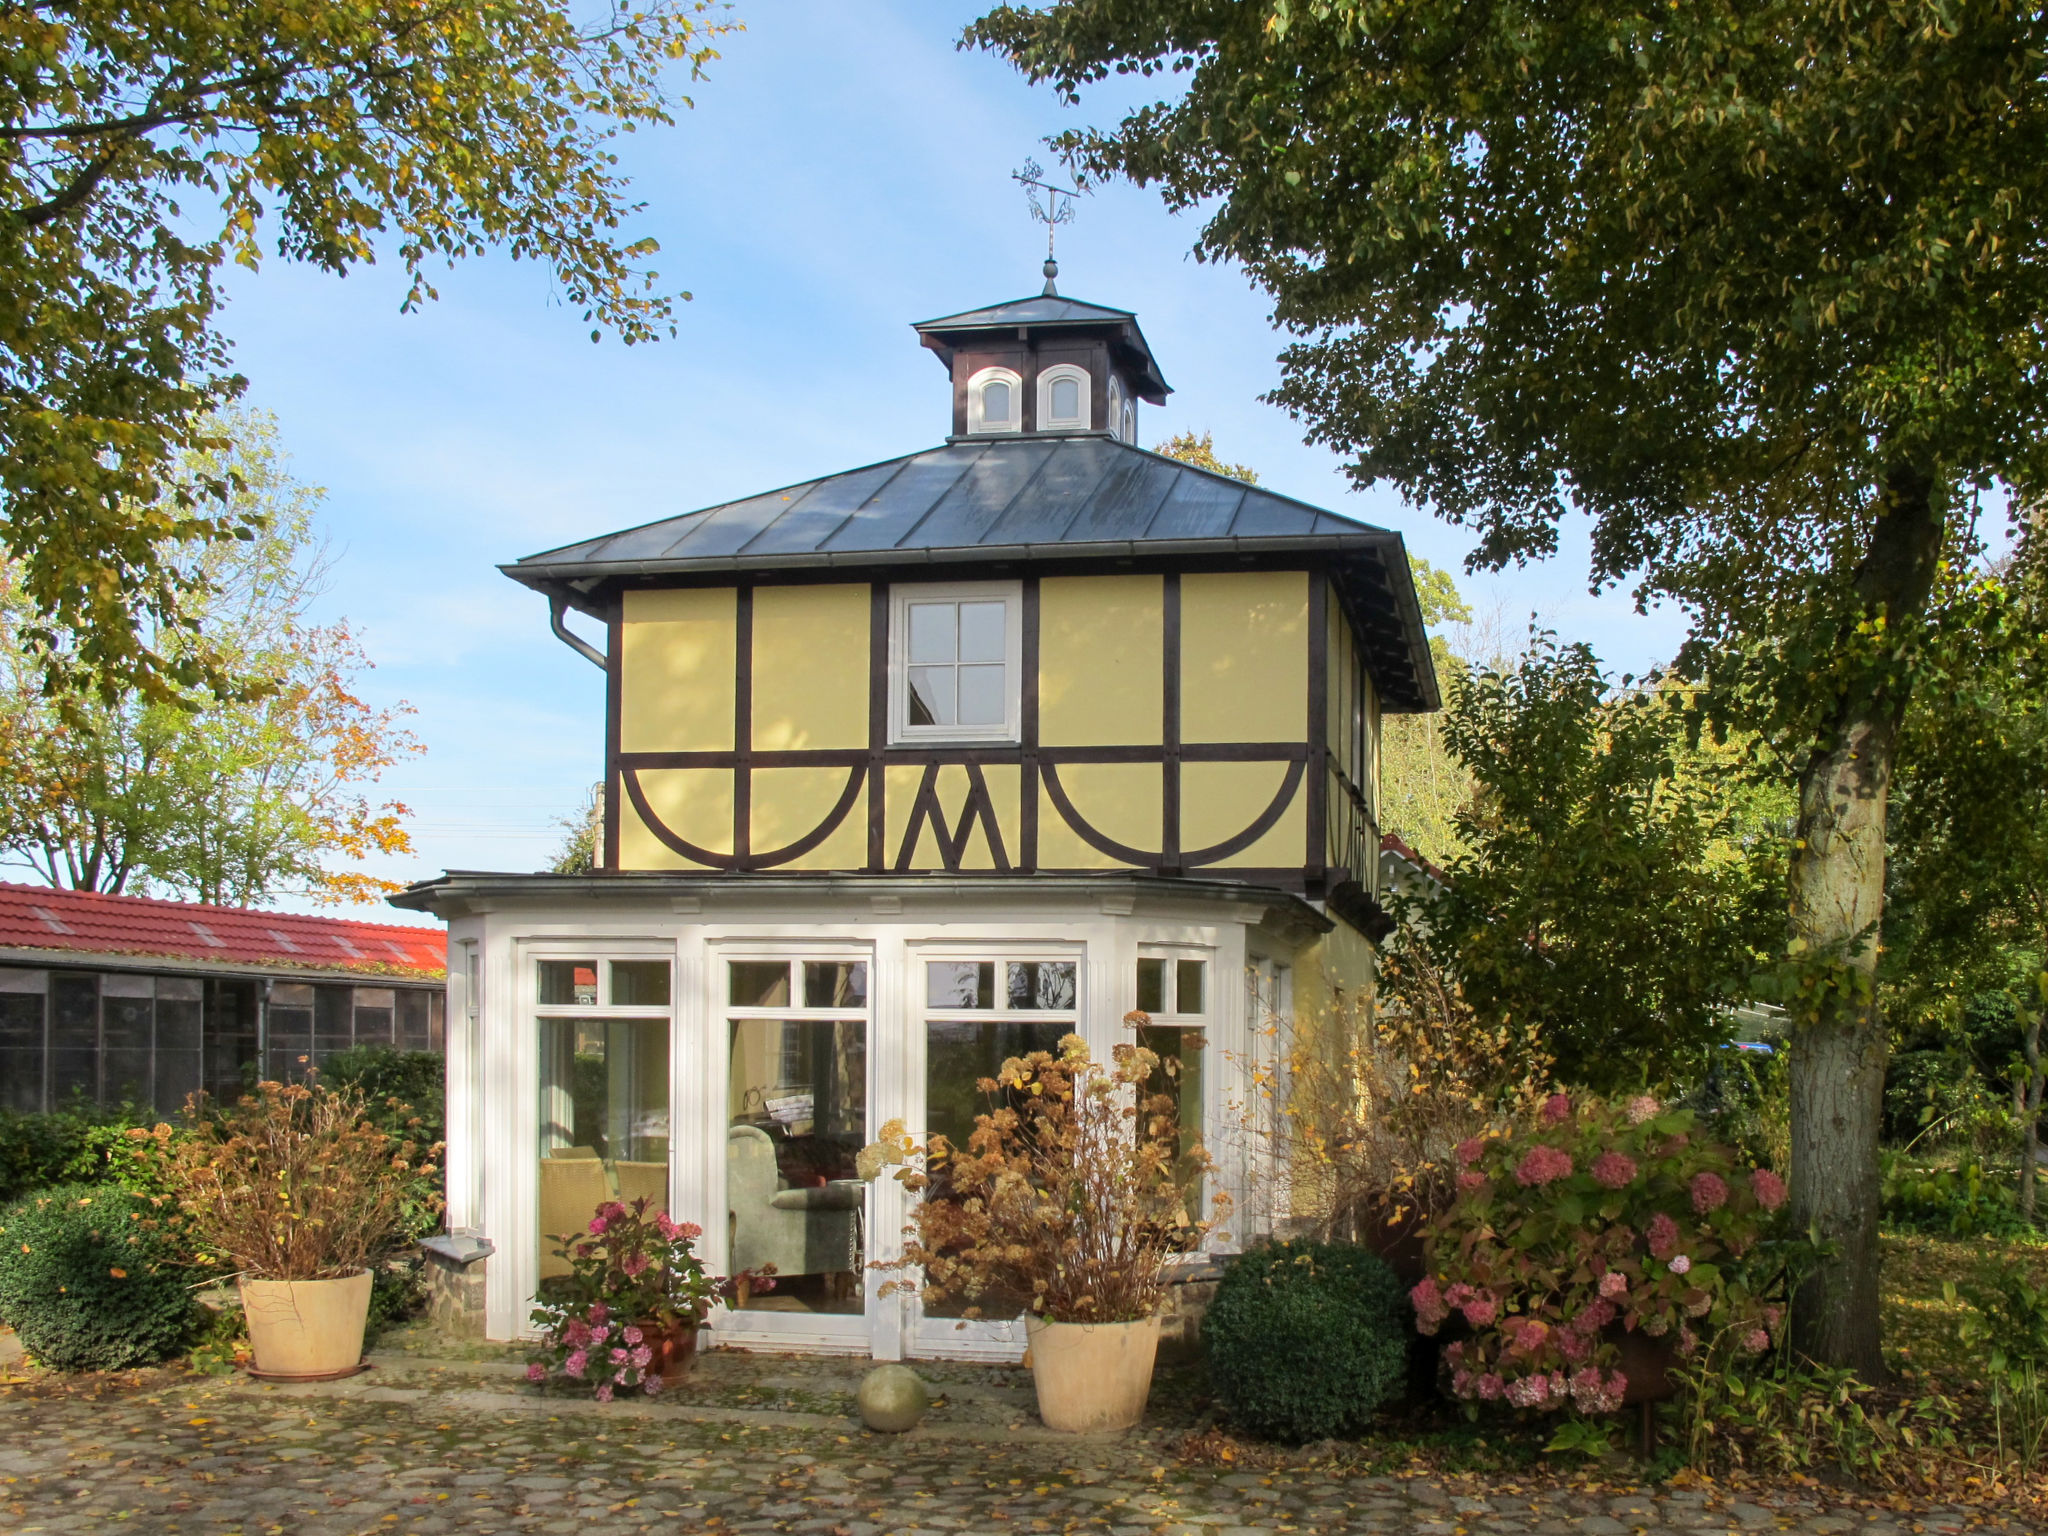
(977, 418)
(1011, 594)
(1129, 425)
(1115, 424)
(1086, 387)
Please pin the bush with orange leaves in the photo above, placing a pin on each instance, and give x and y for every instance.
(1069, 1199)
(293, 1182)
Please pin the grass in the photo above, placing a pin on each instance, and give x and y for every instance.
(1919, 1324)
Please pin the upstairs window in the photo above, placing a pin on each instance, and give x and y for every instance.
(1063, 403)
(995, 401)
(954, 653)
(1118, 424)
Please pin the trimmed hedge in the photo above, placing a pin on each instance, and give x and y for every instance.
(1307, 1340)
(89, 1282)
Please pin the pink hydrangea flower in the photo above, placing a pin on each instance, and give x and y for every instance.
(1481, 1310)
(632, 1335)
(1469, 1181)
(1490, 1388)
(1613, 1283)
(1469, 1150)
(1768, 1188)
(1461, 1384)
(1557, 1109)
(604, 1391)
(635, 1264)
(1594, 1316)
(1543, 1165)
(1572, 1345)
(1773, 1315)
(651, 1385)
(597, 1226)
(1680, 1264)
(536, 1372)
(599, 1312)
(1641, 1108)
(1756, 1341)
(621, 1356)
(643, 1357)
(667, 1227)
(1614, 1170)
(1688, 1341)
(1663, 1236)
(1430, 1307)
(1528, 1337)
(576, 1364)
(1709, 1192)
(599, 1335)
(577, 1334)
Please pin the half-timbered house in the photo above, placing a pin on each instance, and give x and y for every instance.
(910, 769)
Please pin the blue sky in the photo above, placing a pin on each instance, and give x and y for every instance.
(845, 172)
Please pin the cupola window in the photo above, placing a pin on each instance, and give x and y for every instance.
(1063, 399)
(995, 401)
(1116, 423)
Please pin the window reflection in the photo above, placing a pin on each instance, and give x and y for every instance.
(604, 1121)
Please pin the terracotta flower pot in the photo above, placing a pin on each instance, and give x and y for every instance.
(675, 1350)
(1092, 1376)
(307, 1329)
(1647, 1363)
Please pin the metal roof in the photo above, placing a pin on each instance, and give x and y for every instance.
(1039, 309)
(1026, 499)
(1052, 312)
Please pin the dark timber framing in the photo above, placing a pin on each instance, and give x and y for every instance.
(1309, 766)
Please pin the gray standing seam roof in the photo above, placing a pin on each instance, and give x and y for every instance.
(1030, 497)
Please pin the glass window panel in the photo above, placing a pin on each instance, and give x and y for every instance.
(1130, 432)
(437, 1021)
(414, 1030)
(981, 696)
(334, 1023)
(291, 1042)
(126, 984)
(185, 989)
(373, 1026)
(369, 997)
(568, 983)
(931, 632)
(1152, 986)
(74, 1037)
(604, 1121)
(178, 1023)
(1066, 400)
(759, 984)
(291, 994)
(231, 1054)
(1188, 986)
(984, 631)
(796, 1121)
(177, 1076)
(14, 979)
(21, 1021)
(995, 402)
(835, 984)
(1178, 1079)
(126, 1078)
(960, 983)
(640, 983)
(21, 1080)
(1042, 984)
(931, 696)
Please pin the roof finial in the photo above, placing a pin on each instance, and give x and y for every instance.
(1055, 209)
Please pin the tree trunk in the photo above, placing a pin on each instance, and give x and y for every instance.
(1838, 866)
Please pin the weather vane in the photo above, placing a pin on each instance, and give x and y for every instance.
(1052, 209)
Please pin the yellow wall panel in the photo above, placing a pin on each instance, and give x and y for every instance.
(1121, 801)
(1100, 650)
(677, 661)
(1220, 800)
(1003, 781)
(1244, 656)
(790, 803)
(810, 667)
(694, 803)
(899, 785)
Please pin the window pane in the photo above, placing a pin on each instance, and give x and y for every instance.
(415, 1030)
(1188, 986)
(995, 402)
(981, 696)
(1046, 984)
(74, 1037)
(835, 983)
(1152, 986)
(640, 983)
(982, 631)
(931, 631)
(960, 983)
(796, 1120)
(1179, 1080)
(1066, 400)
(21, 1051)
(604, 1121)
(931, 696)
(759, 984)
(567, 983)
(366, 997)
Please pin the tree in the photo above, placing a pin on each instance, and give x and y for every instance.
(1422, 787)
(227, 797)
(1757, 289)
(143, 147)
(582, 846)
(1201, 452)
(1596, 898)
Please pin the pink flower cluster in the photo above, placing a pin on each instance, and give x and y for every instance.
(1543, 1165)
(1431, 1308)
(1469, 1150)
(1612, 1284)
(1768, 1188)
(1479, 1307)
(1662, 1235)
(1557, 1109)
(1614, 1170)
(1640, 1108)
(1593, 1392)
(1709, 1192)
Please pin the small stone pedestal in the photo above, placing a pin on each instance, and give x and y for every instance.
(454, 1274)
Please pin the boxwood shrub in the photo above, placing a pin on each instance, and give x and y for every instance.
(1306, 1340)
(88, 1282)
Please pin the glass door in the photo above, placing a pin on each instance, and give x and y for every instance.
(796, 1117)
(972, 1012)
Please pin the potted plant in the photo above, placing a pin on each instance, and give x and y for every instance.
(626, 1315)
(1070, 1199)
(300, 1195)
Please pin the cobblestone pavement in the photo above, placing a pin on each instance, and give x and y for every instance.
(411, 1448)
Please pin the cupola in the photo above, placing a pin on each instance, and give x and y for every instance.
(1046, 366)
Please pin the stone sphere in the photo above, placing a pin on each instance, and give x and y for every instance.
(892, 1399)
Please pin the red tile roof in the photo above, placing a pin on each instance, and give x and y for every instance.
(36, 917)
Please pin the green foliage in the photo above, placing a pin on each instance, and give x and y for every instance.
(1306, 1340)
(1606, 893)
(221, 1340)
(234, 792)
(2007, 1328)
(1201, 452)
(142, 149)
(582, 846)
(90, 1279)
(1781, 1419)
(1966, 1199)
(1601, 1217)
(78, 1144)
(1591, 1438)
(404, 1092)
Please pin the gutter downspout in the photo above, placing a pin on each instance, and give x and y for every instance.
(558, 608)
